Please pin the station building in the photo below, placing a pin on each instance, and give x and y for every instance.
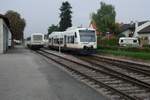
(5, 34)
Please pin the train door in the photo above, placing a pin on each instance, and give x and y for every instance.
(52, 41)
(65, 41)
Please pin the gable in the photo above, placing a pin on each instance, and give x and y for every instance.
(145, 30)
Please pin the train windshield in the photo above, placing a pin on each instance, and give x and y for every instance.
(87, 36)
(37, 37)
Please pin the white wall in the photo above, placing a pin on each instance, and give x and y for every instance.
(4, 35)
(126, 33)
(1, 36)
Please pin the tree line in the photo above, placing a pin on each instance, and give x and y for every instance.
(65, 18)
(104, 19)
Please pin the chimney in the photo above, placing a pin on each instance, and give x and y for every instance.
(136, 29)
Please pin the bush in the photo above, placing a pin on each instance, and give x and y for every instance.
(112, 41)
(104, 43)
(133, 49)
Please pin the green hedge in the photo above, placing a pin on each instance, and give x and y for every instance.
(136, 55)
(146, 49)
(112, 44)
(107, 42)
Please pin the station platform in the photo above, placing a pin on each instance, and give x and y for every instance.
(27, 76)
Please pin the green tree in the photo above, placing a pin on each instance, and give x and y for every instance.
(105, 18)
(65, 16)
(53, 28)
(17, 24)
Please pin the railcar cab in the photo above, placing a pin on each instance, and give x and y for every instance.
(36, 41)
(87, 38)
(81, 39)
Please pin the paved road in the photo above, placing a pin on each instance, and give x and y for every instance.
(26, 76)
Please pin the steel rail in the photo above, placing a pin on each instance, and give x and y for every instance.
(124, 66)
(126, 96)
(115, 73)
(125, 62)
(123, 76)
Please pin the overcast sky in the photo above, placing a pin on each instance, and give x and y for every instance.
(40, 14)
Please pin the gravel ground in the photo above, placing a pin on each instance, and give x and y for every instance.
(26, 76)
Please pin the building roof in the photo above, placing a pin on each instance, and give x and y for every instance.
(131, 26)
(140, 23)
(93, 25)
(125, 27)
(5, 19)
(145, 30)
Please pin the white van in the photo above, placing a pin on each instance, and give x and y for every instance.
(129, 41)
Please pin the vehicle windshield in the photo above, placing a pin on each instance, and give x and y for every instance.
(37, 37)
(87, 36)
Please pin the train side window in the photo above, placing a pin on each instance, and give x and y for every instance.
(68, 39)
(61, 41)
(72, 39)
(50, 40)
(54, 40)
(75, 34)
(57, 41)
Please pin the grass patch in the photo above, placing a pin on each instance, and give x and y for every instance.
(111, 46)
(132, 54)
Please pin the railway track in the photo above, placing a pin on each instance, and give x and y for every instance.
(136, 71)
(115, 85)
(137, 66)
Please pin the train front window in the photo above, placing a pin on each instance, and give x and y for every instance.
(37, 37)
(87, 36)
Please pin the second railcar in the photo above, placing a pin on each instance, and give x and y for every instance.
(77, 40)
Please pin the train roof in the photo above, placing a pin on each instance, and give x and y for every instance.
(55, 33)
(79, 28)
(61, 33)
(37, 34)
(128, 38)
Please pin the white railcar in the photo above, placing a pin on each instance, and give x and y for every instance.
(128, 42)
(80, 40)
(36, 41)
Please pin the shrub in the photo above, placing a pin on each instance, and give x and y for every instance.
(111, 41)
